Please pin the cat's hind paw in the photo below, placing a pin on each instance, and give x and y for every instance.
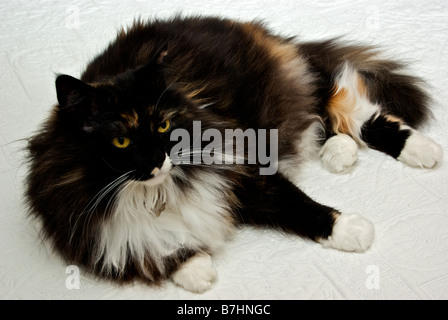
(196, 274)
(339, 153)
(351, 232)
(420, 151)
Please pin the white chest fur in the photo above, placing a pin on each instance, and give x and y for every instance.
(197, 218)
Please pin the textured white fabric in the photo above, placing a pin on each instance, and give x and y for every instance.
(408, 206)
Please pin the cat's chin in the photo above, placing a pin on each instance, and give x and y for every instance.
(158, 179)
(159, 175)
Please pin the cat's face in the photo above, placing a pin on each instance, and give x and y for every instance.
(122, 126)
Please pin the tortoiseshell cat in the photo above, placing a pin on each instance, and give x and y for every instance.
(109, 194)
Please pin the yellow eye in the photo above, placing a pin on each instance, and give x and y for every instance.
(164, 127)
(121, 142)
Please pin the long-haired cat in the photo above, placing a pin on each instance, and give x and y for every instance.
(117, 195)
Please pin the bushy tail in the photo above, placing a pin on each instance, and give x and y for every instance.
(396, 93)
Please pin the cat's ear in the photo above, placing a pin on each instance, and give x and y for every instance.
(153, 69)
(72, 92)
(77, 101)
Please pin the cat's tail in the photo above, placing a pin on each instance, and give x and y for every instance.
(384, 81)
(365, 100)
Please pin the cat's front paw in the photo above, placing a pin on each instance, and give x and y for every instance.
(196, 274)
(420, 151)
(351, 232)
(339, 153)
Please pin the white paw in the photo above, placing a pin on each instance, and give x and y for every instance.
(351, 232)
(420, 151)
(339, 153)
(196, 274)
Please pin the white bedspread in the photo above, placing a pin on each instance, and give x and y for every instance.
(409, 207)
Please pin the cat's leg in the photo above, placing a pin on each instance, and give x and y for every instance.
(390, 135)
(339, 153)
(353, 115)
(196, 274)
(348, 108)
(274, 201)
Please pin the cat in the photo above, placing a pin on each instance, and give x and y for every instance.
(114, 198)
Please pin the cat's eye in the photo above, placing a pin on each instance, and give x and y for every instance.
(121, 142)
(164, 127)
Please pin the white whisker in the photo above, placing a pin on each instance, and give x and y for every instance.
(95, 201)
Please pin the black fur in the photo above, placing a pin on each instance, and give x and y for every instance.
(385, 135)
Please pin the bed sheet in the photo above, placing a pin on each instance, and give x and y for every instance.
(408, 206)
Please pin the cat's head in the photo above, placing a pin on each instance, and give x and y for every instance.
(121, 126)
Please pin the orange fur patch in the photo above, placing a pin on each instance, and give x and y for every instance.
(392, 118)
(278, 50)
(340, 105)
(131, 119)
(193, 94)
